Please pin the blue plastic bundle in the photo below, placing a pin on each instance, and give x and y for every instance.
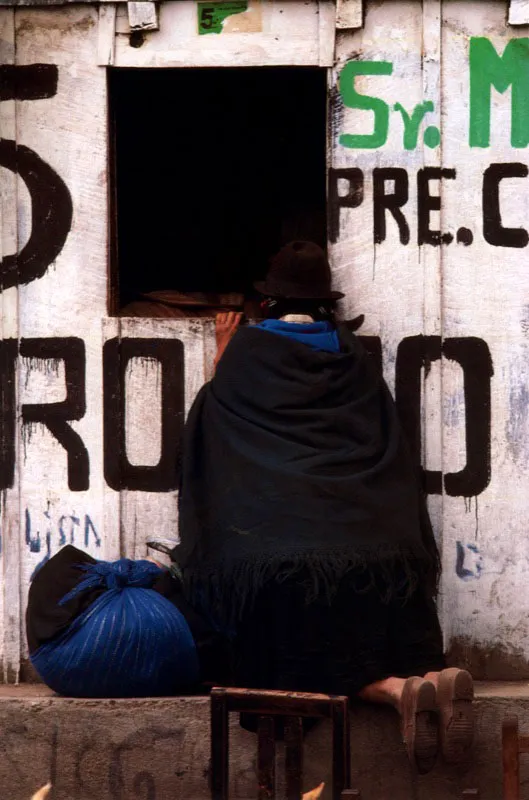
(130, 642)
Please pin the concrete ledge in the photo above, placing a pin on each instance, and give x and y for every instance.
(158, 749)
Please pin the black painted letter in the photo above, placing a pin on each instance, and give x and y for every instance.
(353, 198)
(427, 203)
(56, 416)
(392, 202)
(28, 81)
(51, 203)
(119, 472)
(493, 231)
(417, 352)
(51, 215)
(413, 354)
(8, 356)
(474, 357)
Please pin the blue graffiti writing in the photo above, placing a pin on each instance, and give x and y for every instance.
(469, 562)
(89, 526)
(69, 529)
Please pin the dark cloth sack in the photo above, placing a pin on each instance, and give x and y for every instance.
(100, 629)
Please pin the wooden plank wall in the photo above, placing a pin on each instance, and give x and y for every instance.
(66, 483)
(450, 307)
(10, 594)
(464, 289)
(281, 33)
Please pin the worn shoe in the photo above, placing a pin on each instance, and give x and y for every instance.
(419, 723)
(455, 693)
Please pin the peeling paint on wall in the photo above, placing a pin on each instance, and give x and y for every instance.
(517, 424)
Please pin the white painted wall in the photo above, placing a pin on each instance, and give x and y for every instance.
(455, 290)
(450, 291)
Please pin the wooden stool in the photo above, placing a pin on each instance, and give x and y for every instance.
(267, 706)
(512, 744)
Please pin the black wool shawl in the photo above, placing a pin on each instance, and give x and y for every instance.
(294, 461)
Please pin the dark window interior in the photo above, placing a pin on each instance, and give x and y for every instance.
(213, 169)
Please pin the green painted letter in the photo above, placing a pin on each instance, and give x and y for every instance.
(411, 124)
(488, 69)
(352, 99)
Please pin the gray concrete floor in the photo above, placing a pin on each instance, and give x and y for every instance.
(158, 749)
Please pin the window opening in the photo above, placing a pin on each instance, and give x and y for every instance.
(212, 171)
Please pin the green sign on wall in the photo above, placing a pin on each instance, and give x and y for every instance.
(212, 15)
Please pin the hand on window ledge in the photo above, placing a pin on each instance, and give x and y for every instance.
(226, 324)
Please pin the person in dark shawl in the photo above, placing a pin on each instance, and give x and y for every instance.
(304, 535)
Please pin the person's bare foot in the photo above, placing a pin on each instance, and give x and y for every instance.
(388, 690)
(226, 325)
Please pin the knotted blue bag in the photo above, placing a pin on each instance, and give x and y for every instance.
(130, 642)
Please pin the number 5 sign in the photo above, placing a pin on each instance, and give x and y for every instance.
(212, 15)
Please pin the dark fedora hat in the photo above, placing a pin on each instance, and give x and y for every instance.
(300, 270)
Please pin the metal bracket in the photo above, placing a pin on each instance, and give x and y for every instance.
(349, 14)
(143, 16)
(519, 12)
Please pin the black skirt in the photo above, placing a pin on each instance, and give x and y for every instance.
(336, 647)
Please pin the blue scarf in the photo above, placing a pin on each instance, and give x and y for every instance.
(317, 335)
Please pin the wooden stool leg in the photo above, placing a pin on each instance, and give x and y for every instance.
(341, 748)
(266, 758)
(511, 759)
(293, 757)
(219, 745)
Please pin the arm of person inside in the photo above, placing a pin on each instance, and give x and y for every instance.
(226, 325)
